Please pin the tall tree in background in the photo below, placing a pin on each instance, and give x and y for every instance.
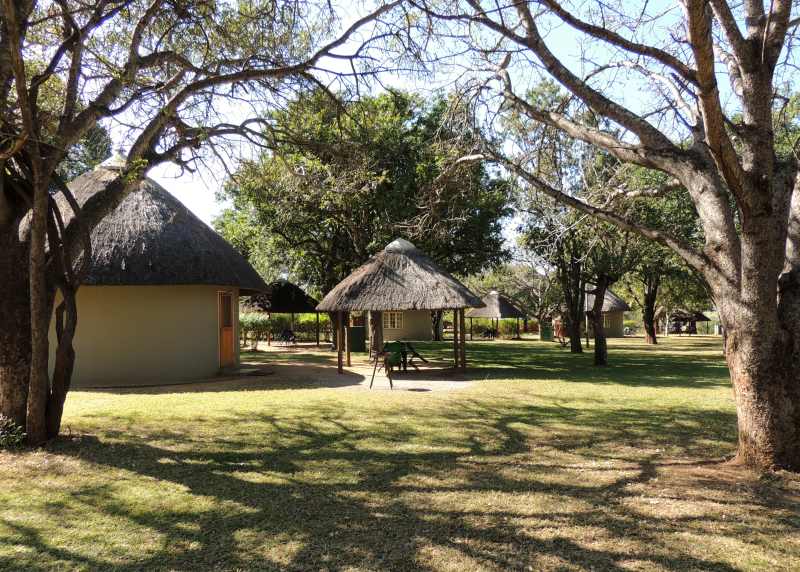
(344, 182)
(726, 143)
(610, 256)
(557, 240)
(163, 71)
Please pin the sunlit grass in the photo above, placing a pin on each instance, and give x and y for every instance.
(544, 463)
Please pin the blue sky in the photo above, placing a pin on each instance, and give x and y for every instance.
(197, 190)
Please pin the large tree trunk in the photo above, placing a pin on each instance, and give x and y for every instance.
(574, 333)
(596, 317)
(764, 376)
(15, 333)
(649, 311)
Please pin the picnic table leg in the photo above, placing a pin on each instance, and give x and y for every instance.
(374, 369)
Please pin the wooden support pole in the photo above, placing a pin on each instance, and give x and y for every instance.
(339, 341)
(317, 329)
(463, 339)
(455, 339)
(347, 338)
(470, 329)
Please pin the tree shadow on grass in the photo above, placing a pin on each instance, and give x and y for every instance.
(640, 365)
(277, 376)
(504, 491)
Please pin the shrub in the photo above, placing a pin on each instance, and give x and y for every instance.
(253, 326)
(11, 434)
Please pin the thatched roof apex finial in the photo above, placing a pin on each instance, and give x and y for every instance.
(116, 162)
(400, 245)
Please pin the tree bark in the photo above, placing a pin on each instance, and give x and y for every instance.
(574, 333)
(764, 378)
(40, 313)
(15, 335)
(596, 317)
(649, 311)
(66, 324)
(436, 324)
(570, 271)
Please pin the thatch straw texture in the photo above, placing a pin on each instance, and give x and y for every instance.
(496, 306)
(611, 302)
(151, 238)
(688, 316)
(283, 297)
(400, 277)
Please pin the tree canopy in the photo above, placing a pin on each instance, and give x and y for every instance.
(345, 181)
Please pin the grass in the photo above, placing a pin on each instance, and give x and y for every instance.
(546, 463)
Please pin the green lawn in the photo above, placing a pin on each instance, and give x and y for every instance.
(544, 463)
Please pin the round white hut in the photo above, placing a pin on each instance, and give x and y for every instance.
(160, 301)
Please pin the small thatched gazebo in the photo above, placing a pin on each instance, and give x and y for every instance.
(496, 307)
(284, 297)
(685, 320)
(400, 278)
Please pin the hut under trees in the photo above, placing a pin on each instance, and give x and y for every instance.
(685, 321)
(399, 282)
(496, 307)
(284, 297)
(614, 309)
(159, 301)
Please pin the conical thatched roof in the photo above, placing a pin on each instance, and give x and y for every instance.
(611, 302)
(688, 316)
(400, 277)
(496, 306)
(283, 297)
(151, 238)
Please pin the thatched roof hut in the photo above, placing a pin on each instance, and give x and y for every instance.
(688, 316)
(151, 238)
(496, 306)
(161, 284)
(611, 302)
(283, 297)
(400, 277)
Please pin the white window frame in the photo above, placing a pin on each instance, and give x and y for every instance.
(393, 320)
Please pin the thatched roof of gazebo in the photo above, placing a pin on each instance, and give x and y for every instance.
(151, 238)
(283, 297)
(400, 277)
(688, 316)
(611, 302)
(496, 306)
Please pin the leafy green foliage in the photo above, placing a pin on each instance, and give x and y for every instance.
(342, 183)
(11, 434)
(253, 327)
(92, 149)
